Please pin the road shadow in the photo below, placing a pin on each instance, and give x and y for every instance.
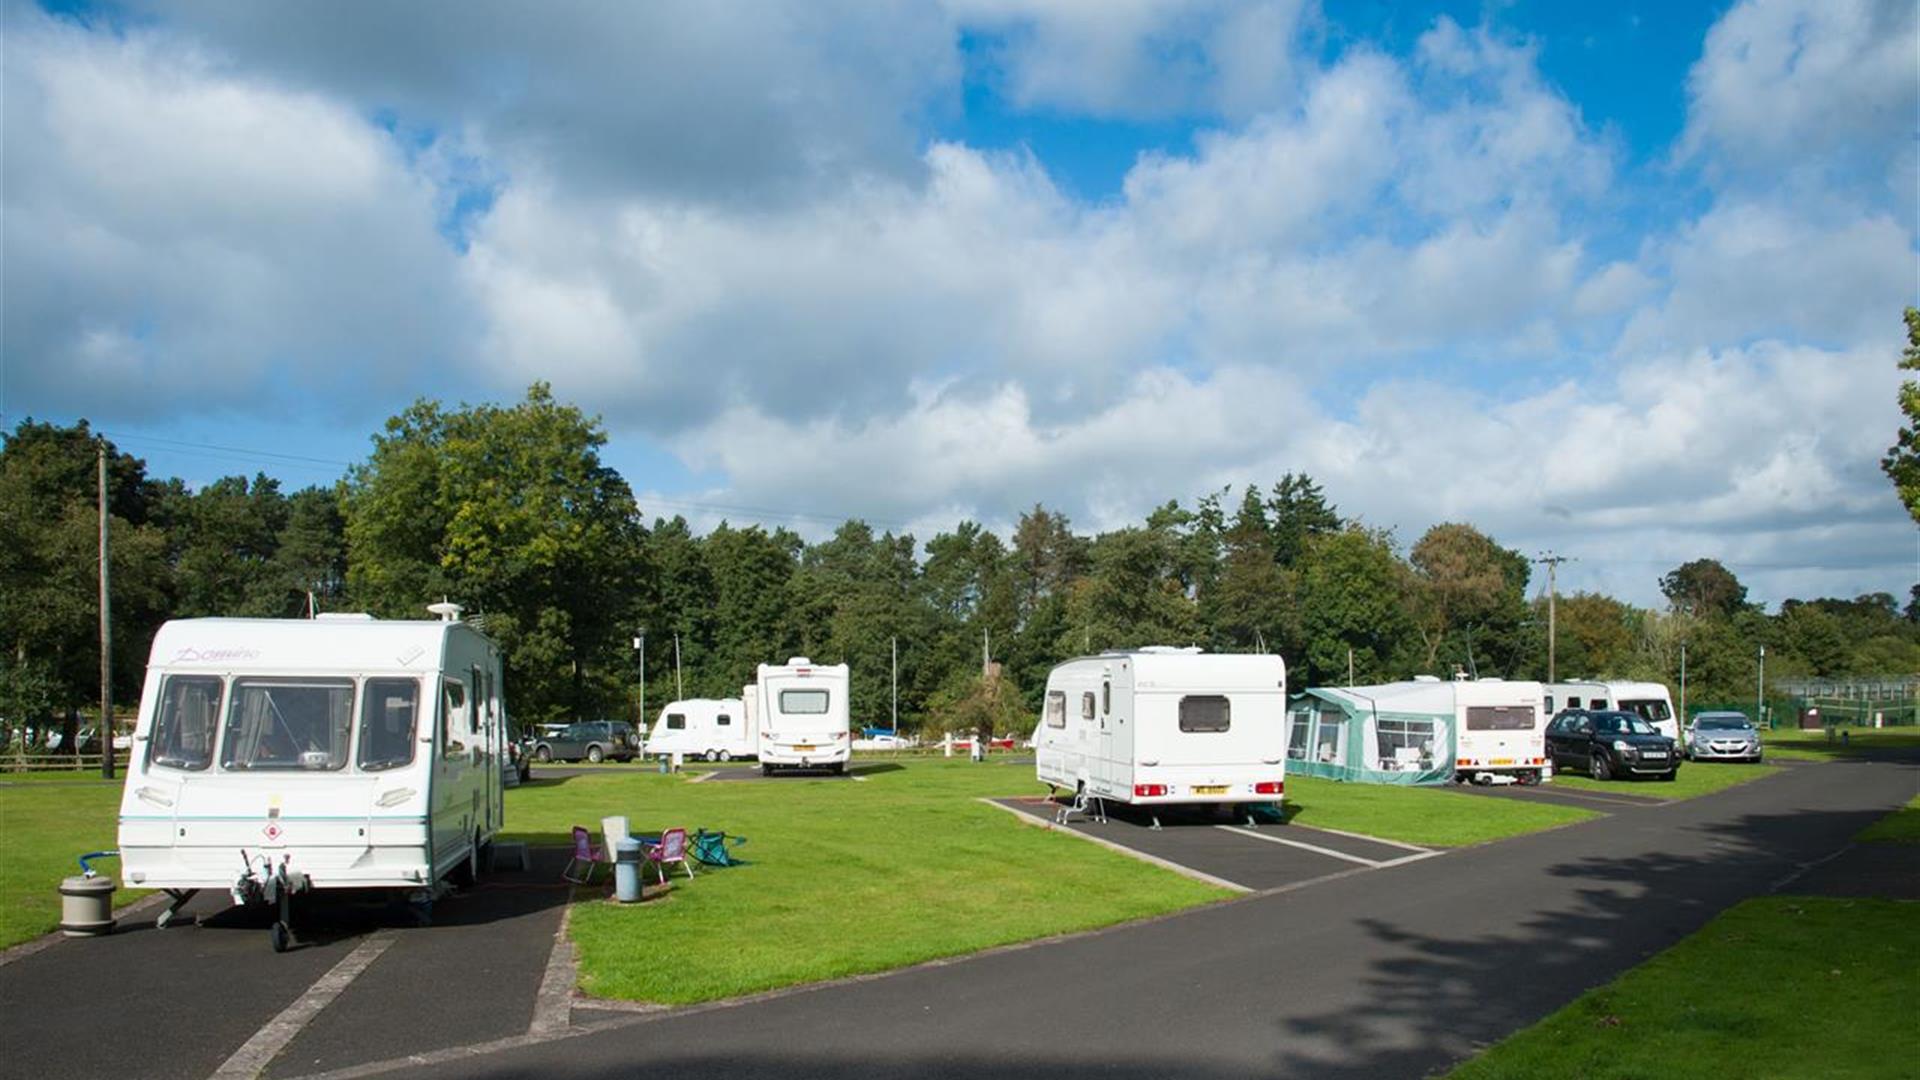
(874, 768)
(1433, 1000)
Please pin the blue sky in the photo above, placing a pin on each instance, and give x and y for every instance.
(1623, 281)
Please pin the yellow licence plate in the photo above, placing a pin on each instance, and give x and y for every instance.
(1210, 789)
(803, 749)
(1503, 761)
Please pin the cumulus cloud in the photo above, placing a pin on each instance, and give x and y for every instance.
(181, 238)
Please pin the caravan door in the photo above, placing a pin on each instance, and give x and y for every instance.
(454, 798)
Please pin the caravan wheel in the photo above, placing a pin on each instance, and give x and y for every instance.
(725, 755)
(467, 874)
(711, 756)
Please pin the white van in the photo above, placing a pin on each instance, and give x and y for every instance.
(272, 756)
(803, 717)
(1648, 700)
(1162, 726)
(1500, 731)
(715, 729)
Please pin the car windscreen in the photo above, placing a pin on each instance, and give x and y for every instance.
(1723, 723)
(1622, 724)
(288, 724)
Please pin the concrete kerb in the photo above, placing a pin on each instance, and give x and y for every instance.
(49, 940)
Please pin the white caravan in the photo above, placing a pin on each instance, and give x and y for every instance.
(1500, 732)
(1648, 700)
(272, 756)
(803, 718)
(715, 729)
(1162, 726)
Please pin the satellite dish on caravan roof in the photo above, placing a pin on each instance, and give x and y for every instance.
(447, 612)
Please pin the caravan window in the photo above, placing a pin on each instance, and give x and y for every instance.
(1086, 705)
(1299, 730)
(1205, 712)
(1056, 708)
(1652, 710)
(723, 720)
(189, 717)
(288, 724)
(389, 711)
(676, 721)
(803, 702)
(1405, 744)
(453, 716)
(1106, 698)
(1499, 718)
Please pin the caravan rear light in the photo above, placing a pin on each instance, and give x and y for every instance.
(1149, 791)
(1270, 787)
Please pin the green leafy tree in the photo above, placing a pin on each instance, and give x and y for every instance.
(1470, 599)
(1299, 511)
(1250, 602)
(1354, 593)
(1705, 589)
(222, 540)
(1133, 595)
(1902, 463)
(511, 512)
(1597, 635)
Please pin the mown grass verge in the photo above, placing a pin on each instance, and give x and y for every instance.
(1900, 827)
(1430, 817)
(1694, 779)
(43, 828)
(1774, 987)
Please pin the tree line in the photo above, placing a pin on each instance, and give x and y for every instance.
(511, 512)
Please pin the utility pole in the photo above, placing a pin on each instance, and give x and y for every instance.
(894, 646)
(640, 643)
(1553, 562)
(1683, 684)
(1349, 665)
(106, 628)
(986, 653)
(1760, 691)
(679, 691)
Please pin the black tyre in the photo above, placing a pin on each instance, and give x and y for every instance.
(526, 770)
(725, 755)
(711, 755)
(1601, 769)
(1668, 776)
(839, 768)
(596, 755)
(543, 753)
(280, 936)
(766, 770)
(467, 874)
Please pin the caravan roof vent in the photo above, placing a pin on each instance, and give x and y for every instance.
(797, 661)
(343, 616)
(447, 612)
(1491, 678)
(1177, 650)
(1426, 678)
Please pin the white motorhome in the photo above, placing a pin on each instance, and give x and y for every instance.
(803, 717)
(1648, 700)
(271, 756)
(1501, 731)
(1165, 726)
(716, 729)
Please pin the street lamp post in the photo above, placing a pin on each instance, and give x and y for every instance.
(1760, 690)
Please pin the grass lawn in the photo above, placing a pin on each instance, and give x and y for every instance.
(1774, 987)
(1900, 827)
(844, 877)
(43, 827)
(1695, 778)
(1792, 744)
(1433, 817)
(902, 866)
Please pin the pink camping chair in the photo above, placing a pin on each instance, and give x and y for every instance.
(672, 848)
(586, 857)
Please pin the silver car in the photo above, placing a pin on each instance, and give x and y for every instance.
(1721, 736)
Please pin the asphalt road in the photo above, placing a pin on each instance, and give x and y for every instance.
(1334, 969)
(1379, 974)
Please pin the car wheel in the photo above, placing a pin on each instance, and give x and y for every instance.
(1668, 776)
(526, 772)
(725, 755)
(766, 770)
(1601, 768)
(596, 755)
(543, 753)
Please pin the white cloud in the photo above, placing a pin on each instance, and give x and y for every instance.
(179, 238)
(1810, 86)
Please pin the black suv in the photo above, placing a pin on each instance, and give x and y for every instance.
(1610, 744)
(593, 740)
